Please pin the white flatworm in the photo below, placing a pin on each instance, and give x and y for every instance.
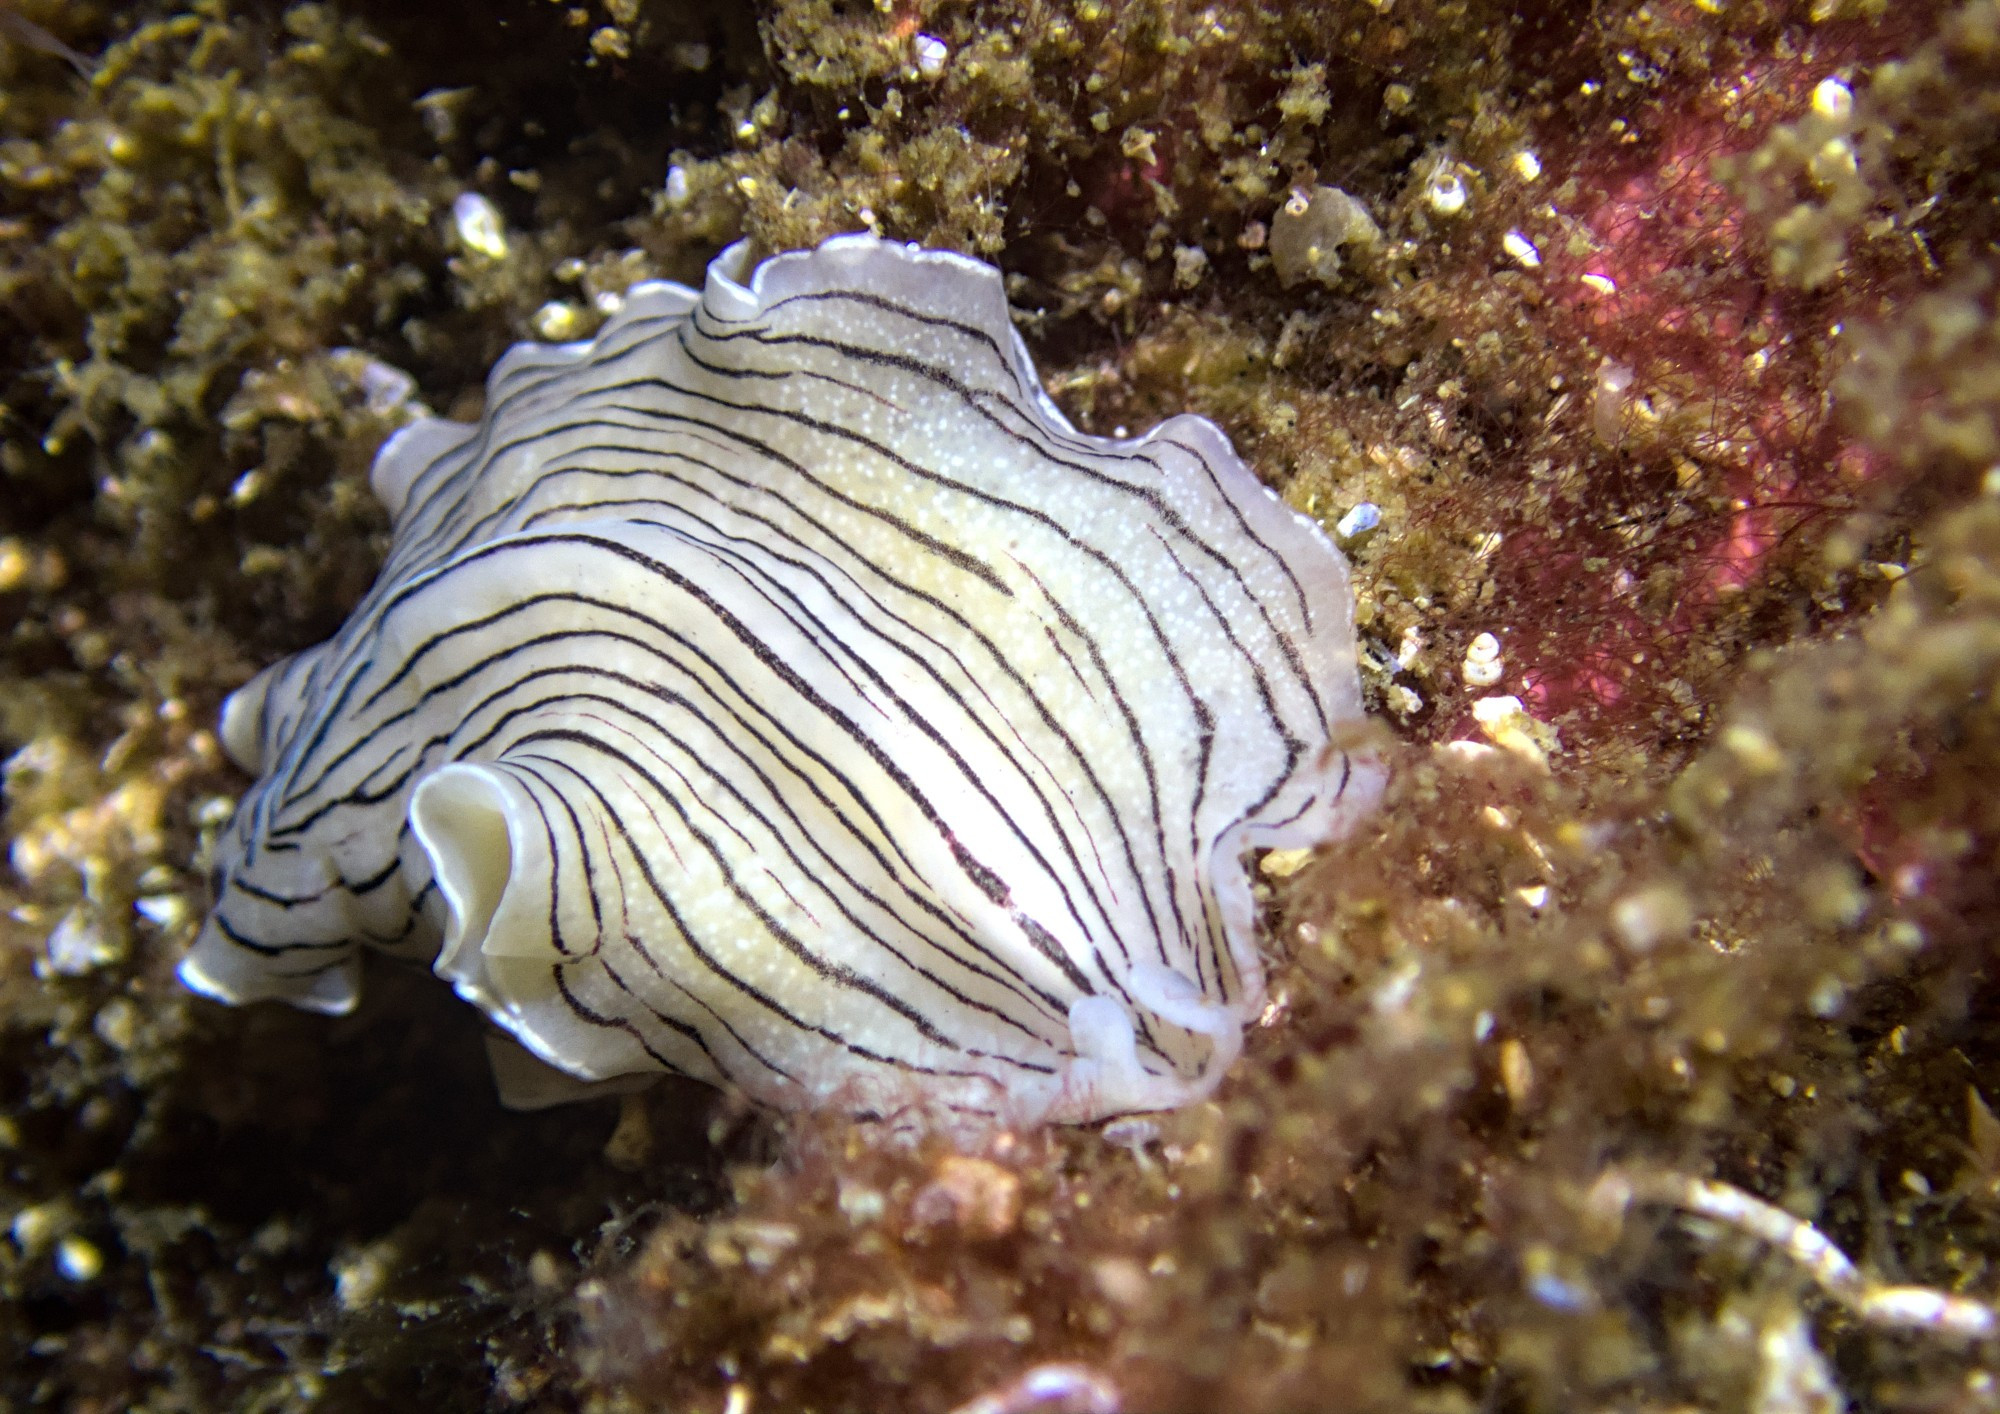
(777, 690)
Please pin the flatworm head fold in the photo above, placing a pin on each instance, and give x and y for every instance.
(778, 690)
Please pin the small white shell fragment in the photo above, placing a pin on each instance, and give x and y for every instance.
(1445, 193)
(78, 1259)
(1361, 518)
(1506, 723)
(1833, 100)
(1483, 665)
(1056, 1386)
(1283, 863)
(1393, 993)
(1521, 250)
(162, 910)
(558, 321)
(35, 1228)
(479, 226)
(78, 946)
(1607, 403)
(385, 388)
(438, 108)
(931, 54)
(778, 690)
(360, 1277)
(1311, 228)
(677, 185)
(1527, 166)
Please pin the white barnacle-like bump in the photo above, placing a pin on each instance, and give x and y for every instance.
(1445, 191)
(777, 690)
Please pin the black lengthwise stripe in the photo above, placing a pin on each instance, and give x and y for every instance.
(556, 870)
(918, 660)
(971, 777)
(263, 949)
(838, 973)
(338, 885)
(1117, 571)
(860, 797)
(799, 686)
(714, 965)
(974, 400)
(1010, 980)
(592, 1016)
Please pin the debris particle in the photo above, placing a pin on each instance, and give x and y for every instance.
(931, 54)
(1833, 100)
(1652, 915)
(1190, 264)
(1607, 405)
(78, 1259)
(1517, 1071)
(78, 946)
(976, 1195)
(1507, 725)
(1283, 863)
(558, 321)
(479, 226)
(1361, 518)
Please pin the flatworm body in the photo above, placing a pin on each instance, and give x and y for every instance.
(777, 690)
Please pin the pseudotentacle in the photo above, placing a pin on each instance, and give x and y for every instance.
(776, 689)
